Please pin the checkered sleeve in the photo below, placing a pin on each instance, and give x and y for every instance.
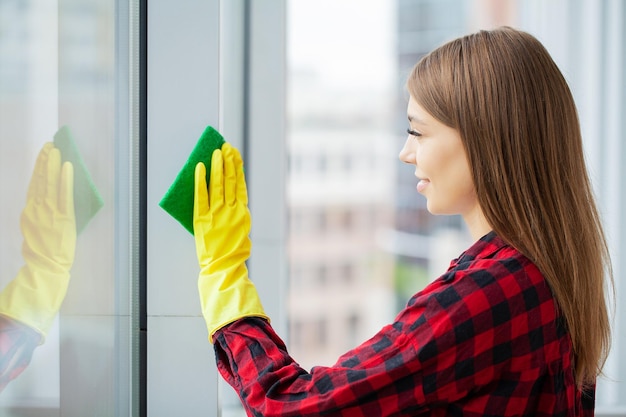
(254, 360)
(483, 339)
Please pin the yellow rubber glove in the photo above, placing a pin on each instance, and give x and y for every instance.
(221, 224)
(48, 226)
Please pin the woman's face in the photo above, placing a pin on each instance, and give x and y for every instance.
(441, 164)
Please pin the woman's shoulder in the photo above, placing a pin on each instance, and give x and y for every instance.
(491, 258)
(489, 273)
(493, 287)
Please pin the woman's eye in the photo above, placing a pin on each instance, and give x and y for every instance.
(413, 132)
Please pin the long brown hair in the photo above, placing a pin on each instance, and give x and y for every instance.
(518, 122)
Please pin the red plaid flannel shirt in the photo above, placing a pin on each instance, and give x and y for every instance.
(484, 339)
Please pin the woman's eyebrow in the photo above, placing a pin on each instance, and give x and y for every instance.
(413, 119)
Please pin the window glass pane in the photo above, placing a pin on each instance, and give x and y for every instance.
(28, 112)
(65, 78)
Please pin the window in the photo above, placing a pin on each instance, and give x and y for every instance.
(328, 105)
(69, 69)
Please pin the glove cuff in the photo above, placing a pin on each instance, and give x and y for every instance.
(224, 305)
(234, 319)
(34, 297)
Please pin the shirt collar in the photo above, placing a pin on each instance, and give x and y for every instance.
(484, 247)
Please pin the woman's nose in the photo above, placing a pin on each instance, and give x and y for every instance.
(407, 153)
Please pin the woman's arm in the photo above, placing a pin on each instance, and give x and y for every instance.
(378, 378)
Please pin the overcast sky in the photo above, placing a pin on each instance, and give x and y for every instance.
(347, 42)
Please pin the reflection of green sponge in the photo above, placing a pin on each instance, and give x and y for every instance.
(178, 201)
(87, 199)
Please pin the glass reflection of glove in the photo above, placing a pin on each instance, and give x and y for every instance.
(48, 225)
(221, 222)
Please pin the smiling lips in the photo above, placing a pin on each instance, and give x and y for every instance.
(422, 184)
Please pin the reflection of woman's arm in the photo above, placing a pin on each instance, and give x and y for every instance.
(48, 226)
(17, 343)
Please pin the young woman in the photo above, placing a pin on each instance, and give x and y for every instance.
(517, 325)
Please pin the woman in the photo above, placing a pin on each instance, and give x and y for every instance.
(518, 325)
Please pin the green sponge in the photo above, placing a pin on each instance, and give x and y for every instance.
(178, 201)
(87, 199)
